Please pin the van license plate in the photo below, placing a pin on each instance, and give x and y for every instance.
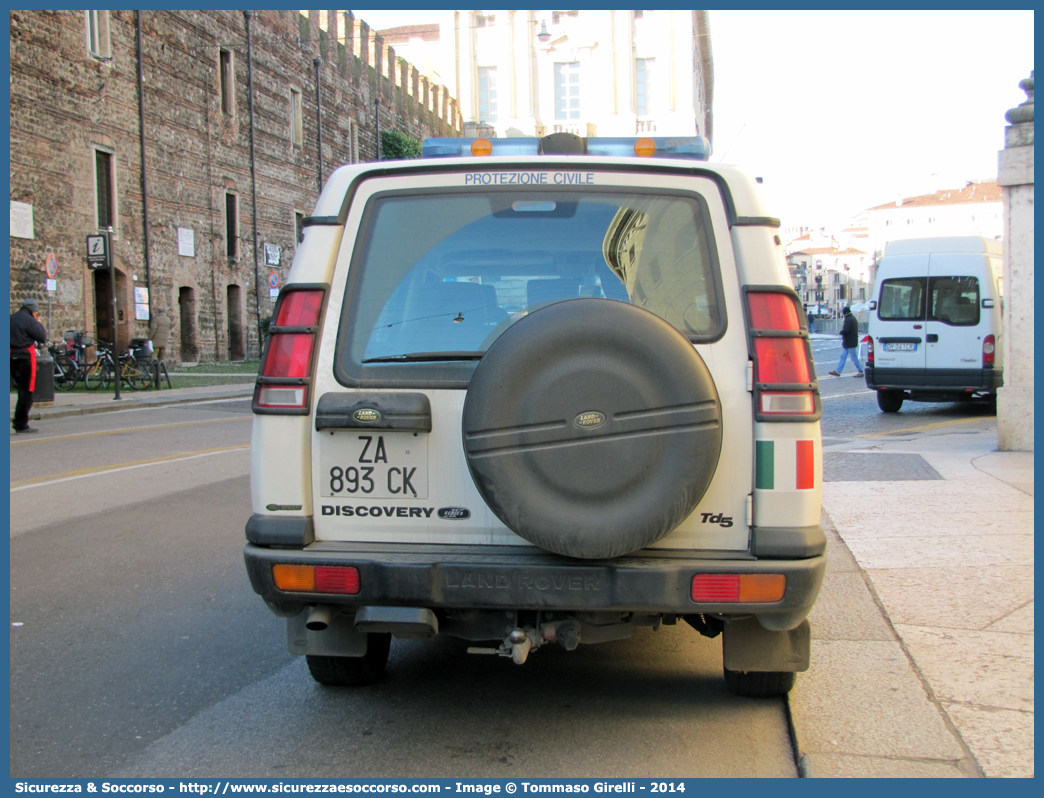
(900, 347)
(378, 465)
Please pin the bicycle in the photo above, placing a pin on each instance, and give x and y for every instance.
(135, 372)
(95, 374)
(66, 371)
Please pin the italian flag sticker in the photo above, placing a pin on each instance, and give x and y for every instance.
(785, 465)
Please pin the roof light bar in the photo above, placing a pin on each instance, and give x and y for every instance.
(688, 147)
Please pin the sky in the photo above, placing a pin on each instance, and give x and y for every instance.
(839, 111)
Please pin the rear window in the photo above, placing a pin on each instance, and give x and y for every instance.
(439, 277)
(954, 300)
(902, 299)
(950, 299)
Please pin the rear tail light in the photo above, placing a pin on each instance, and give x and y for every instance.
(784, 385)
(989, 350)
(317, 578)
(869, 351)
(289, 360)
(738, 588)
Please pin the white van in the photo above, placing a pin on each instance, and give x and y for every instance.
(935, 322)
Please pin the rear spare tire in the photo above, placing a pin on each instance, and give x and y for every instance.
(592, 428)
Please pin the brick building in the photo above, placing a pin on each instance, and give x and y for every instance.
(94, 94)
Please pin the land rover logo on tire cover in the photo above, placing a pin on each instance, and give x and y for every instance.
(367, 415)
(454, 513)
(590, 419)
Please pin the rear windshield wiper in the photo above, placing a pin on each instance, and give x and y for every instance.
(418, 357)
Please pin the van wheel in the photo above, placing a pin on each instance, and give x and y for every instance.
(592, 428)
(890, 401)
(353, 671)
(759, 684)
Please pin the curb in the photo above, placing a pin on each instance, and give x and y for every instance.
(130, 404)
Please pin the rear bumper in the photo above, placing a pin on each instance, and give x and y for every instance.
(959, 381)
(522, 577)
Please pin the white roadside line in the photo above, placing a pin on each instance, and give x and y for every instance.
(151, 428)
(127, 467)
(846, 395)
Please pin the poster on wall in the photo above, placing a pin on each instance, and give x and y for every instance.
(273, 254)
(186, 242)
(141, 295)
(21, 220)
(141, 312)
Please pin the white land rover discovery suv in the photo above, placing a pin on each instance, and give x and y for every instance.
(539, 391)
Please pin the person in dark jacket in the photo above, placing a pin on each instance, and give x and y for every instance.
(849, 343)
(26, 333)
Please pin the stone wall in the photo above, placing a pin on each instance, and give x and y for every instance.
(67, 103)
(1015, 174)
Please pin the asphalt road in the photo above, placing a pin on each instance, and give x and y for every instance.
(850, 409)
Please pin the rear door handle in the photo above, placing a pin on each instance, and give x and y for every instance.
(932, 338)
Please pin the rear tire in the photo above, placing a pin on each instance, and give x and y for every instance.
(69, 376)
(759, 684)
(353, 671)
(592, 428)
(97, 376)
(890, 401)
(139, 374)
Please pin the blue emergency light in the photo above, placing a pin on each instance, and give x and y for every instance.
(691, 147)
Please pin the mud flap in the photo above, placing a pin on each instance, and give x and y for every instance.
(748, 646)
(340, 639)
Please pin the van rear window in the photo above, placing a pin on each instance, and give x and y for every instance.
(954, 300)
(902, 299)
(951, 300)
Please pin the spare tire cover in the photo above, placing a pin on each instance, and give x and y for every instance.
(592, 428)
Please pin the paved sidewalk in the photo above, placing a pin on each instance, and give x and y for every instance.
(85, 403)
(922, 659)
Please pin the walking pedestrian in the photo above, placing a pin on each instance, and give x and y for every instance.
(849, 343)
(811, 320)
(26, 333)
(159, 331)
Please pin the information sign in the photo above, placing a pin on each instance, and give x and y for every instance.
(97, 252)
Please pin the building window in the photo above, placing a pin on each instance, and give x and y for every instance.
(487, 99)
(296, 118)
(567, 90)
(227, 80)
(231, 225)
(642, 77)
(485, 20)
(299, 225)
(105, 195)
(639, 14)
(98, 33)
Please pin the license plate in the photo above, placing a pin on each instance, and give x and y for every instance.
(379, 465)
(900, 347)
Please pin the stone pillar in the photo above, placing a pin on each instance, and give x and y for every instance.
(1015, 176)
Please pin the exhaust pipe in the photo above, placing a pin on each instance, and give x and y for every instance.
(319, 618)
